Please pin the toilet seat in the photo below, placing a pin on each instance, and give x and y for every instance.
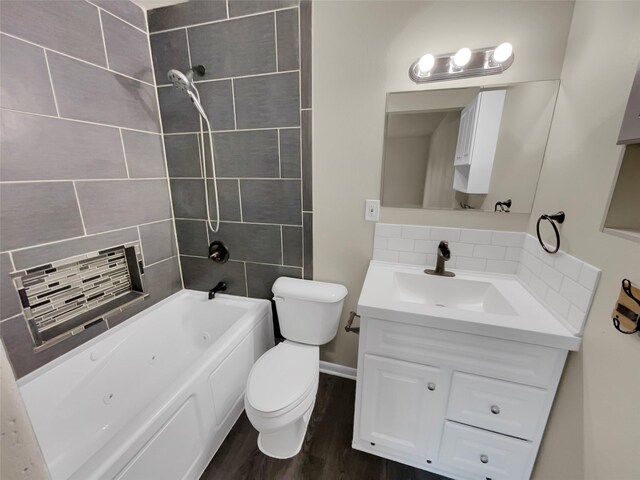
(283, 378)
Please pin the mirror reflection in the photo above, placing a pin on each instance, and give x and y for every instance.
(478, 148)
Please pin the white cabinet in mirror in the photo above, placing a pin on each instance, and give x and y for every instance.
(466, 148)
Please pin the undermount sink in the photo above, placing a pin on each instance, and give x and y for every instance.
(450, 292)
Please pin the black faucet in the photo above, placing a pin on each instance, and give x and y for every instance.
(444, 254)
(220, 287)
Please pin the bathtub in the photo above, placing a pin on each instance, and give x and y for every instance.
(152, 398)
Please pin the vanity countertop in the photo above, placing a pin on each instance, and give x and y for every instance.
(488, 304)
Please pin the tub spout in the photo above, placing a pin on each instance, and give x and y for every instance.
(220, 287)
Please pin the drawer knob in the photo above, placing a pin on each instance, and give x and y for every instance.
(495, 409)
(431, 386)
(484, 459)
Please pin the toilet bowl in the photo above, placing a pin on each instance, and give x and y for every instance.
(283, 383)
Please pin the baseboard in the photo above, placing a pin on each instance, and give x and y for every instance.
(337, 370)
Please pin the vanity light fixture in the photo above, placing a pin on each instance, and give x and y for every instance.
(464, 63)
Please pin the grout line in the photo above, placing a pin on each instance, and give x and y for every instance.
(240, 201)
(163, 260)
(275, 33)
(227, 7)
(186, 35)
(80, 60)
(233, 131)
(104, 42)
(13, 264)
(79, 208)
(279, 157)
(241, 222)
(305, 109)
(164, 154)
(222, 79)
(124, 153)
(281, 247)
(12, 317)
(53, 90)
(123, 179)
(144, 262)
(300, 135)
(220, 20)
(119, 18)
(211, 178)
(81, 121)
(245, 261)
(302, 260)
(233, 97)
(246, 279)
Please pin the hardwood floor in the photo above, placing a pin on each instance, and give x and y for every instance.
(326, 453)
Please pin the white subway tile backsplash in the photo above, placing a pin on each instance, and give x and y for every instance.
(507, 239)
(475, 264)
(502, 266)
(400, 244)
(562, 282)
(477, 237)
(385, 255)
(490, 252)
(568, 265)
(415, 232)
(448, 234)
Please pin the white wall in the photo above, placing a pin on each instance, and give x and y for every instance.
(596, 415)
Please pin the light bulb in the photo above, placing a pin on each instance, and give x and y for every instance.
(425, 64)
(502, 52)
(462, 57)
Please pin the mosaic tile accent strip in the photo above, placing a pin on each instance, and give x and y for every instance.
(62, 296)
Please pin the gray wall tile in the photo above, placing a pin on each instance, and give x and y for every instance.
(145, 157)
(192, 237)
(19, 345)
(287, 24)
(250, 242)
(48, 24)
(203, 274)
(24, 77)
(307, 162)
(107, 205)
(290, 152)
(88, 93)
(292, 246)
(305, 53)
(268, 101)
(126, 10)
(308, 245)
(184, 14)
(42, 148)
(188, 198)
(247, 7)
(229, 196)
(182, 155)
(161, 280)
(245, 46)
(32, 257)
(169, 50)
(246, 154)
(52, 214)
(127, 48)
(260, 278)
(217, 101)
(271, 201)
(10, 304)
(158, 241)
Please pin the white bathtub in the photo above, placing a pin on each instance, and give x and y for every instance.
(152, 398)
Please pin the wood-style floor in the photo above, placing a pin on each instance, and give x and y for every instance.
(326, 453)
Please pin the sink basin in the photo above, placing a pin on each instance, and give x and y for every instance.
(450, 292)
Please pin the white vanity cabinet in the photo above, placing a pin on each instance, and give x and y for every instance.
(462, 405)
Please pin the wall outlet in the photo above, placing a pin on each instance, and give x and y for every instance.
(372, 210)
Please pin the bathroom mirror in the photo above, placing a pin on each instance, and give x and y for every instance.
(478, 148)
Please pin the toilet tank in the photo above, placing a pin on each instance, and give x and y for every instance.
(308, 311)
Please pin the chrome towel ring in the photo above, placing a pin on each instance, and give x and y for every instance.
(552, 219)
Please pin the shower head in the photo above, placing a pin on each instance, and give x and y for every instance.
(182, 81)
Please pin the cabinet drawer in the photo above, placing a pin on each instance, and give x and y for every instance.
(504, 359)
(502, 407)
(479, 454)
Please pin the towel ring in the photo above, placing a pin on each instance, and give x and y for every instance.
(552, 219)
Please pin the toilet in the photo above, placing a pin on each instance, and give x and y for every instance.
(282, 385)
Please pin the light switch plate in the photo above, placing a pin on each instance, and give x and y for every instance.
(372, 210)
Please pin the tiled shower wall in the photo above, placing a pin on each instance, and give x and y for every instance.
(257, 93)
(82, 165)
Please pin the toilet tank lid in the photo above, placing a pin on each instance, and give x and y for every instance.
(309, 290)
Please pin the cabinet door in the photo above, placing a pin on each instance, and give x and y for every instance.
(466, 133)
(399, 406)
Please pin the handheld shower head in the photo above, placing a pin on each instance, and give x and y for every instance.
(181, 81)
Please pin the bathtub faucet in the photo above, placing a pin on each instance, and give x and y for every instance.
(220, 287)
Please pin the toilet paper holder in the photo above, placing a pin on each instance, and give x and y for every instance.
(348, 328)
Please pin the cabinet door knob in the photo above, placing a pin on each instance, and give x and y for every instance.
(431, 386)
(495, 409)
(484, 459)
